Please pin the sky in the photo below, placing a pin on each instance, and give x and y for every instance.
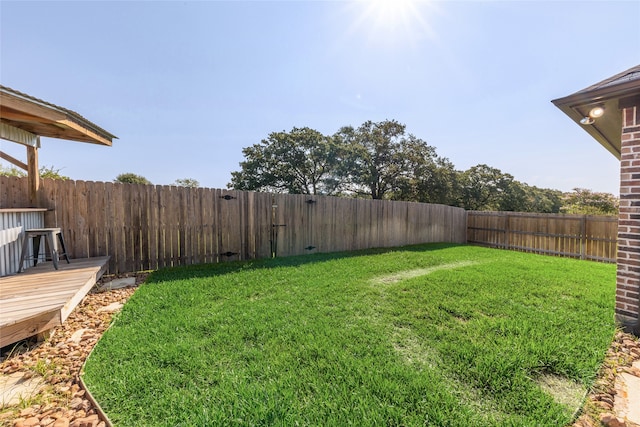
(186, 85)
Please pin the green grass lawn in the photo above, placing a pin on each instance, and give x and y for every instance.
(440, 335)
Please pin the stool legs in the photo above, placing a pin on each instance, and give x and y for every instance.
(63, 248)
(53, 240)
(35, 248)
(53, 248)
(23, 252)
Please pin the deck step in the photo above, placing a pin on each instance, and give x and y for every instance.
(40, 298)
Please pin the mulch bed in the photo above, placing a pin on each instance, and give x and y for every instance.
(64, 403)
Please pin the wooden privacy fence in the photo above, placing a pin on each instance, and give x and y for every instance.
(144, 227)
(577, 236)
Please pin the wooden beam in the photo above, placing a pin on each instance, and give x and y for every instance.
(33, 174)
(17, 116)
(91, 281)
(28, 327)
(31, 107)
(12, 160)
(87, 134)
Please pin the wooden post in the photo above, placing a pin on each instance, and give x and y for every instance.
(33, 174)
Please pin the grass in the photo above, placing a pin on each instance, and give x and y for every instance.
(440, 335)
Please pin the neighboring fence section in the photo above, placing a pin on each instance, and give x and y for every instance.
(144, 227)
(576, 236)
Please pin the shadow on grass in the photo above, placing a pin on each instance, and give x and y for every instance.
(211, 269)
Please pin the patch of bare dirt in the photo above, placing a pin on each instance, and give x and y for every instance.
(410, 274)
(564, 391)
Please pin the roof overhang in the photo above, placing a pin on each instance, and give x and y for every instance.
(612, 95)
(37, 117)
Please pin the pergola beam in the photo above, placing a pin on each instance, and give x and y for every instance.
(42, 118)
(33, 174)
(13, 160)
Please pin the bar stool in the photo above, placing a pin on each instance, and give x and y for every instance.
(52, 236)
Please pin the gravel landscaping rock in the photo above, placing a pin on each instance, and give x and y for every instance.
(602, 406)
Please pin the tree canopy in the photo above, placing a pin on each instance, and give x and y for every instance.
(374, 160)
(377, 160)
(302, 161)
(427, 177)
(586, 202)
(380, 160)
(186, 182)
(131, 178)
(49, 172)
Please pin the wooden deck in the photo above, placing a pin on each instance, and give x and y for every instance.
(41, 297)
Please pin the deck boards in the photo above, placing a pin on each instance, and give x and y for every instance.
(41, 297)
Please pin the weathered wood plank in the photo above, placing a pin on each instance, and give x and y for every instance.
(263, 225)
(42, 297)
(164, 236)
(229, 214)
(151, 230)
(208, 247)
(119, 228)
(26, 328)
(79, 224)
(109, 208)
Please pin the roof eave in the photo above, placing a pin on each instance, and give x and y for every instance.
(594, 96)
(577, 106)
(71, 125)
(609, 142)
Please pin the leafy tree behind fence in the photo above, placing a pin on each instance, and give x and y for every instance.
(382, 161)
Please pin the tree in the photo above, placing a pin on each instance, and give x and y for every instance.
(487, 188)
(49, 172)
(131, 178)
(512, 195)
(374, 160)
(302, 161)
(52, 173)
(12, 171)
(587, 202)
(427, 177)
(186, 182)
(380, 160)
(543, 200)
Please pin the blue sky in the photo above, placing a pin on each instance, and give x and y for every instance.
(186, 85)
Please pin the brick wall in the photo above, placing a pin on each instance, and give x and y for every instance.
(628, 278)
